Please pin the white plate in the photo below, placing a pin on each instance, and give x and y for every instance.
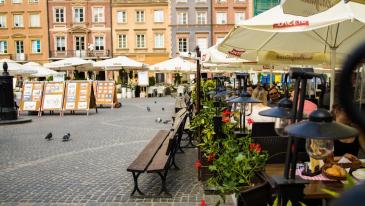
(359, 174)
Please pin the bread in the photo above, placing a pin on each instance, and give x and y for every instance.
(336, 171)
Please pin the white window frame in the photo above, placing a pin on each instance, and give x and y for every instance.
(205, 14)
(161, 18)
(218, 15)
(219, 40)
(63, 13)
(16, 1)
(206, 42)
(4, 46)
(120, 44)
(39, 20)
(200, 1)
(4, 23)
(33, 1)
(139, 17)
(2, 1)
(22, 21)
(178, 44)
(181, 1)
(138, 44)
(74, 14)
(97, 46)
(237, 21)
(65, 43)
(159, 40)
(31, 46)
(125, 17)
(180, 19)
(99, 19)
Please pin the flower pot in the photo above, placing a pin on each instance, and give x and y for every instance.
(259, 194)
(124, 92)
(204, 172)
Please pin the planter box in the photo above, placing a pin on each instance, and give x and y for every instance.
(258, 195)
(204, 173)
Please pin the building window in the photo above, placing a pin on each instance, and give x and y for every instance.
(202, 43)
(201, 17)
(122, 41)
(219, 40)
(221, 18)
(33, 1)
(59, 15)
(183, 45)
(98, 14)
(2, 1)
(17, 1)
(140, 16)
(182, 18)
(19, 47)
(2, 21)
(158, 16)
(18, 20)
(122, 17)
(239, 18)
(99, 43)
(36, 46)
(221, 1)
(35, 20)
(141, 41)
(78, 15)
(60, 44)
(159, 40)
(201, 1)
(182, 1)
(3, 47)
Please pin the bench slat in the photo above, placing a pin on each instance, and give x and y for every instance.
(141, 163)
(159, 161)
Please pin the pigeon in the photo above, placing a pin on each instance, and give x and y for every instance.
(158, 120)
(166, 121)
(148, 109)
(163, 109)
(155, 102)
(66, 137)
(49, 136)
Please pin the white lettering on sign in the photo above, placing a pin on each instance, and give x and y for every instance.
(236, 52)
(293, 23)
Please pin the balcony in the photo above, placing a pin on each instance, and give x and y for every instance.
(82, 54)
(18, 57)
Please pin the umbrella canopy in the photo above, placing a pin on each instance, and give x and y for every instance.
(177, 64)
(309, 8)
(15, 68)
(117, 62)
(41, 71)
(71, 64)
(288, 39)
(213, 56)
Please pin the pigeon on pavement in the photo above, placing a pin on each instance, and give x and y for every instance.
(148, 109)
(166, 121)
(163, 109)
(66, 137)
(49, 136)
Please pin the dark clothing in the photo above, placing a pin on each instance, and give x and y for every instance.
(343, 148)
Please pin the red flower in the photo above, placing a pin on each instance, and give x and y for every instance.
(250, 121)
(225, 119)
(255, 148)
(202, 203)
(211, 157)
(197, 164)
(226, 112)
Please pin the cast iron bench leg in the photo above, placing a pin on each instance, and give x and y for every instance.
(163, 186)
(190, 143)
(173, 163)
(135, 179)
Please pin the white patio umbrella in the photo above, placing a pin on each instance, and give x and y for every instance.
(177, 64)
(118, 62)
(213, 56)
(73, 63)
(325, 36)
(15, 68)
(41, 71)
(309, 8)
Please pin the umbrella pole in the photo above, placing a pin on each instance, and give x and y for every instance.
(333, 77)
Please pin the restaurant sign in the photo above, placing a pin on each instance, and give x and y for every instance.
(236, 52)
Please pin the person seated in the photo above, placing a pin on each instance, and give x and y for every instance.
(260, 93)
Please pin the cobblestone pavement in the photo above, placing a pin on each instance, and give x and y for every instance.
(91, 168)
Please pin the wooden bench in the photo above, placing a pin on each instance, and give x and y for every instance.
(158, 156)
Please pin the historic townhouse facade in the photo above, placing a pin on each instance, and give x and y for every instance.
(80, 28)
(141, 30)
(190, 24)
(24, 30)
(226, 14)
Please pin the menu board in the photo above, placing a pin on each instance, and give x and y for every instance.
(31, 99)
(105, 93)
(53, 96)
(78, 95)
(143, 78)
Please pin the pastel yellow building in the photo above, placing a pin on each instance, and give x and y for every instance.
(24, 30)
(141, 30)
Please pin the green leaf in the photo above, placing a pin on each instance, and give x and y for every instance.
(239, 157)
(289, 203)
(276, 202)
(330, 192)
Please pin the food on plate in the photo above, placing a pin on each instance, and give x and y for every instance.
(336, 171)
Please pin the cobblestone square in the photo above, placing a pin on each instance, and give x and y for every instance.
(91, 168)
